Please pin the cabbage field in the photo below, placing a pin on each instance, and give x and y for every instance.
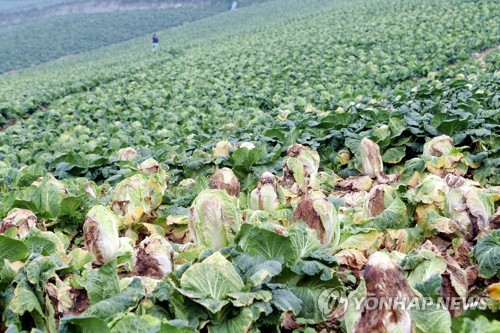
(38, 36)
(278, 168)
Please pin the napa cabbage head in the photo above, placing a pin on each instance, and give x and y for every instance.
(225, 179)
(441, 157)
(214, 218)
(22, 219)
(300, 168)
(127, 154)
(100, 232)
(265, 195)
(154, 257)
(371, 159)
(319, 214)
(138, 196)
(469, 205)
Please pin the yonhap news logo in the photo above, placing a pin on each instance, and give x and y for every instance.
(334, 302)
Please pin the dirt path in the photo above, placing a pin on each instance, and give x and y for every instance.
(484, 53)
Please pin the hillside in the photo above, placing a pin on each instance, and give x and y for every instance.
(15, 12)
(267, 169)
(37, 37)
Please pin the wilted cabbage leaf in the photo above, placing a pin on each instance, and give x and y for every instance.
(442, 158)
(22, 219)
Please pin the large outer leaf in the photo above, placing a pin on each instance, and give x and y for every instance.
(40, 270)
(82, 324)
(487, 255)
(24, 300)
(309, 291)
(392, 217)
(264, 241)
(211, 281)
(12, 249)
(101, 283)
(241, 323)
(432, 319)
(363, 240)
(426, 269)
(50, 201)
(286, 301)
(120, 302)
(44, 242)
(132, 323)
(303, 239)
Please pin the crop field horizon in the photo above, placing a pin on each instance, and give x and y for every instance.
(288, 166)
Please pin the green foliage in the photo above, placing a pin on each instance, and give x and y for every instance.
(487, 255)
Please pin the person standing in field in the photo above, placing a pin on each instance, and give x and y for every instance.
(155, 42)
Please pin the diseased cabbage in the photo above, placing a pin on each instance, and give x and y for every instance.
(224, 179)
(138, 197)
(100, 232)
(385, 281)
(265, 195)
(300, 168)
(154, 257)
(222, 149)
(371, 159)
(214, 217)
(127, 154)
(319, 214)
(22, 219)
(442, 157)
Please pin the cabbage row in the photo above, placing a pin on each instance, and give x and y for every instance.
(337, 61)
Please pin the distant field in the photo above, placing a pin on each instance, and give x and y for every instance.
(49, 38)
(18, 5)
